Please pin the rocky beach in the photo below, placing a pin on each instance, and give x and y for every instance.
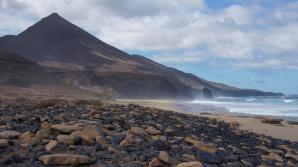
(92, 133)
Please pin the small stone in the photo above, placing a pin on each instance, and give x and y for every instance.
(129, 139)
(66, 139)
(152, 130)
(3, 142)
(188, 157)
(101, 140)
(45, 125)
(273, 156)
(9, 134)
(159, 137)
(169, 130)
(190, 164)
(27, 138)
(292, 156)
(286, 148)
(201, 145)
(138, 131)
(155, 162)
(43, 133)
(117, 138)
(65, 159)
(51, 145)
(165, 158)
(64, 128)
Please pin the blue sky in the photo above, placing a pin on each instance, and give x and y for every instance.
(248, 44)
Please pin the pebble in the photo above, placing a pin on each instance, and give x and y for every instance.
(117, 138)
(165, 158)
(131, 136)
(51, 145)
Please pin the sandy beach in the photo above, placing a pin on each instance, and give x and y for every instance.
(247, 123)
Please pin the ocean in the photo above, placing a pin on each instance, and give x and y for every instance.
(271, 106)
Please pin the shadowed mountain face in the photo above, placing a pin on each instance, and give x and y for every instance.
(78, 58)
(18, 71)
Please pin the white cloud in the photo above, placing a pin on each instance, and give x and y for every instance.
(251, 36)
(184, 57)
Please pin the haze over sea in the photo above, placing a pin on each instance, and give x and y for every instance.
(272, 106)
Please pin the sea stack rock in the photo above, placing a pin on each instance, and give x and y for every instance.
(207, 93)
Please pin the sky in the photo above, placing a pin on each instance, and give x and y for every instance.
(247, 44)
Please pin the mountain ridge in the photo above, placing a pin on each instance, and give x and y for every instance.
(80, 59)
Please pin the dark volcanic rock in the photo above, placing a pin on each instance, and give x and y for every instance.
(94, 135)
(272, 121)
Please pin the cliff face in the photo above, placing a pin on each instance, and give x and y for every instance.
(73, 56)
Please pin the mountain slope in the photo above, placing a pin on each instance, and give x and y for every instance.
(80, 59)
(18, 71)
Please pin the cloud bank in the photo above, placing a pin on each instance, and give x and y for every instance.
(248, 35)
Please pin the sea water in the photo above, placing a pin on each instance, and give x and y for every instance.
(273, 106)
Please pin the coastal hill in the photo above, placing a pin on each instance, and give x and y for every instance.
(60, 52)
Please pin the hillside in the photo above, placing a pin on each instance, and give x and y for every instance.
(79, 59)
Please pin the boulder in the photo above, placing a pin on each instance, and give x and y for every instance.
(9, 134)
(65, 159)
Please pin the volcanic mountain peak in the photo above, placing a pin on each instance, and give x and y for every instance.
(83, 60)
(55, 27)
(54, 40)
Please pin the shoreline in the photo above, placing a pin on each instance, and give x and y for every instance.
(96, 133)
(250, 123)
